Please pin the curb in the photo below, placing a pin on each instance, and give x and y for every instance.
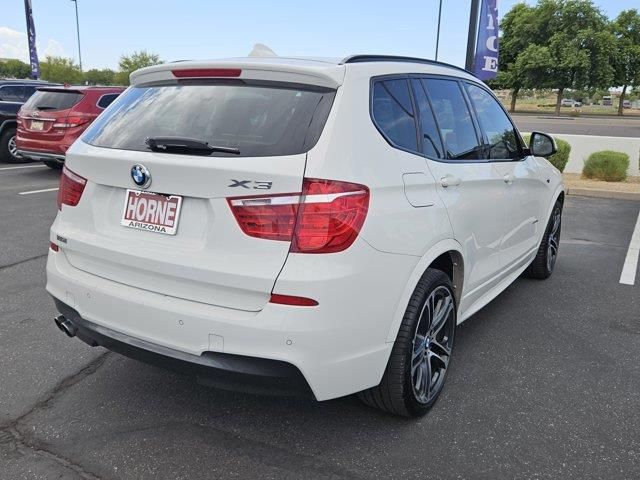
(585, 192)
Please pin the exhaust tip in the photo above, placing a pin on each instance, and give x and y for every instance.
(65, 326)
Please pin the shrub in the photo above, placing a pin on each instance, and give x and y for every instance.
(561, 157)
(607, 165)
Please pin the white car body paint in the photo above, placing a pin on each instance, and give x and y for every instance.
(211, 280)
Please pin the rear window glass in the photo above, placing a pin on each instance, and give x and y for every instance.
(257, 119)
(46, 100)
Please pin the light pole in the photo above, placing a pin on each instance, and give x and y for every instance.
(438, 32)
(78, 30)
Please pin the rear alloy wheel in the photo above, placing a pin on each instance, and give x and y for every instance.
(545, 261)
(8, 148)
(417, 367)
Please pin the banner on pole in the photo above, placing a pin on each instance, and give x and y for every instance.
(31, 34)
(486, 59)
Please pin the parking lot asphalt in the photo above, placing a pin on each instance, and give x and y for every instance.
(544, 382)
(611, 126)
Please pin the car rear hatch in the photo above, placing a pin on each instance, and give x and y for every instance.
(203, 255)
(46, 115)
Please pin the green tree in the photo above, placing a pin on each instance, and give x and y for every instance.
(519, 29)
(14, 69)
(580, 46)
(626, 62)
(60, 70)
(131, 63)
(559, 44)
(105, 76)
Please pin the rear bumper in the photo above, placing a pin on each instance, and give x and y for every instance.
(340, 346)
(220, 370)
(42, 156)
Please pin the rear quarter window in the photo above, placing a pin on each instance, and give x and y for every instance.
(107, 99)
(392, 113)
(259, 119)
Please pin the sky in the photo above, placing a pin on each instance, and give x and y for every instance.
(202, 29)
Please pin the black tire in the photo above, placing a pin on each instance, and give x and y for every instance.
(544, 263)
(53, 165)
(9, 135)
(398, 392)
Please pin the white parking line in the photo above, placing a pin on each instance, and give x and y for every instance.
(39, 191)
(628, 275)
(24, 166)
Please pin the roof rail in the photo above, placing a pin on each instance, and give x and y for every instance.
(394, 58)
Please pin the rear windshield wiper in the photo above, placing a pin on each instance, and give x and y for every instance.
(186, 145)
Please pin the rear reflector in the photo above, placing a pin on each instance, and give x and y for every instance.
(325, 218)
(71, 188)
(291, 300)
(206, 72)
(53, 246)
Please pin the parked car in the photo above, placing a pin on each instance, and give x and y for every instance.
(299, 226)
(626, 104)
(55, 116)
(567, 102)
(13, 93)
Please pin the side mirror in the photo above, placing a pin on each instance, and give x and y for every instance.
(542, 145)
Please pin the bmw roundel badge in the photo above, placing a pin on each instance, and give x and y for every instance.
(140, 175)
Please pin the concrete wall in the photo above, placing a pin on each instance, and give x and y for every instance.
(584, 145)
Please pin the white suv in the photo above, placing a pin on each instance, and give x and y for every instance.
(300, 226)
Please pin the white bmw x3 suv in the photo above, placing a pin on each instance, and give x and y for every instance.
(300, 226)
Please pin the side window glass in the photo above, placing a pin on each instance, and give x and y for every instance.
(11, 93)
(454, 119)
(107, 100)
(28, 91)
(393, 113)
(431, 144)
(502, 137)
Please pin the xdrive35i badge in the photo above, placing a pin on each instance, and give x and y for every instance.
(141, 175)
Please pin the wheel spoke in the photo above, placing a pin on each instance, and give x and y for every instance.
(556, 224)
(418, 354)
(441, 359)
(426, 378)
(442, 316)
(440, 348)
(417, 382)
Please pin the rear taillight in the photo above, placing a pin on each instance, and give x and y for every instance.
(54, 247)
(325, 218)
(71, 188)
(71, 122)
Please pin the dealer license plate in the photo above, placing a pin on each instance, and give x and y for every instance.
(153, 212)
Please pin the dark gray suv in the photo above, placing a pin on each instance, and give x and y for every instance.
(13, 94)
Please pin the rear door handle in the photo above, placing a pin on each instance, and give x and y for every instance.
(508, 179)
(450, 181)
